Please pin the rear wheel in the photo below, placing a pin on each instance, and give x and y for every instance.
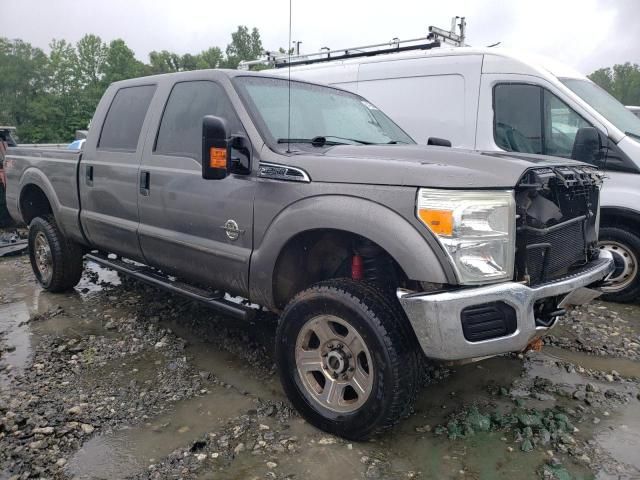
(346, 361)
(624, 245)
(56, 261)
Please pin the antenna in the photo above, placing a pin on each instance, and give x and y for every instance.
(289, 83)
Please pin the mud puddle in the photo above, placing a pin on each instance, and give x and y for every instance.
(625, 367)
(129, 451)
(28, 312)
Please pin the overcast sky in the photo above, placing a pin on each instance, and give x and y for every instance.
(586, 34)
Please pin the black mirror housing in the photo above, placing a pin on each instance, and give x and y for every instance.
(440, 142)
(216, 151)
(587, 146)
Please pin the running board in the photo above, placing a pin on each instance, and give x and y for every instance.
(214, 300)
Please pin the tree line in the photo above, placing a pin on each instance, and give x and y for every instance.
(50, 96)
(622, 81)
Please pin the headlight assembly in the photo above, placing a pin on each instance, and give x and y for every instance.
(476, 229)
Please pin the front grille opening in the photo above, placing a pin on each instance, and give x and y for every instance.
(488, 320)
(556, 234)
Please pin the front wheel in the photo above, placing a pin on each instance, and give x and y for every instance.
(346, 361)
(624, 245)
(56, 261)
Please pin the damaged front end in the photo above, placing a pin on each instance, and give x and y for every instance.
(556, 229)
(557, 263)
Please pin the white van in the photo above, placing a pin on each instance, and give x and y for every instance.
(494, 100)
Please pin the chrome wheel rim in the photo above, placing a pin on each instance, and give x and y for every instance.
(43, 258)
(333, 364)
(627, 257)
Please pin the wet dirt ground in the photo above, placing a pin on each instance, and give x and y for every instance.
(120, 380)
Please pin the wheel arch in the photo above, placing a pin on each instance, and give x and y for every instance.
(620, 216)
(411, 251)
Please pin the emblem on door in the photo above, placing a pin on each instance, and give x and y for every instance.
(232, 230)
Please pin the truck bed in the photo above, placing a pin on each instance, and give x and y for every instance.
(55, 172)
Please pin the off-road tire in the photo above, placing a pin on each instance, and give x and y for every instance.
(385, 331)
(631, 241)
(66, 256)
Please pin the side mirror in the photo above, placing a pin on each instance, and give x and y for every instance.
(216, 151)
(586, 146)
(440, 142)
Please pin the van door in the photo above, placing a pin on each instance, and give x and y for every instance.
(428, 96)
(185, 220)
(108, 174)
(522, 113)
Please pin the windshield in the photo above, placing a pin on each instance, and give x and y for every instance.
(319, 115)
(605, 105)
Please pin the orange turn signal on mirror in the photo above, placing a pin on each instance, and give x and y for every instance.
(439, 221)
(217, 157)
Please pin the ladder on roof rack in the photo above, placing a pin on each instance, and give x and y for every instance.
(436, 38)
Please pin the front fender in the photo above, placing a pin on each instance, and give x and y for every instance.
(419, 255)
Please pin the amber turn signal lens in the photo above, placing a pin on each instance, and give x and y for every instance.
(439, 221)
(217, 157)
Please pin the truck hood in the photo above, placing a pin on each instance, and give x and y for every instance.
(419, 166)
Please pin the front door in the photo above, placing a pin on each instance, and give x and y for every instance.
(200, 230)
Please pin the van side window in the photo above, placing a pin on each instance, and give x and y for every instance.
(530, 119)
(518, 118)
(561, 126)
(123, 123)
(180, 131)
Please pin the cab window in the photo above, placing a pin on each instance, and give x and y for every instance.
(180, 131)
(530, 119)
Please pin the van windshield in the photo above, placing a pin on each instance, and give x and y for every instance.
(606, 105)
(320, 116)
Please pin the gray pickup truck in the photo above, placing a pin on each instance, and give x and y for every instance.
(309, 201)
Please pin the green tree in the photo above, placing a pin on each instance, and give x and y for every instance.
(120, 63)
(164, 62)
(210, 58)
(23, 78)
(622, 81)
(244, 45)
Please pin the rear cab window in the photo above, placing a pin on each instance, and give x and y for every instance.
(123, 123)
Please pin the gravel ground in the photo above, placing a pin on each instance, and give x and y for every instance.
(120, 380)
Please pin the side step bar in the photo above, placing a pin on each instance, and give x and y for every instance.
(214, 300)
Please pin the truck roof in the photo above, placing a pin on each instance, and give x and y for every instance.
(513, 60)
(193, 74)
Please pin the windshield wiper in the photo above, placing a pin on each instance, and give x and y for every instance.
(322, 140)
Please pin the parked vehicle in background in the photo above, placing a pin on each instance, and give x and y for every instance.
(374, 250)
(634, 110)
(76, 144)
(7, 139)
(491, 99)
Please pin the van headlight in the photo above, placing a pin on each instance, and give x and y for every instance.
(477, 229)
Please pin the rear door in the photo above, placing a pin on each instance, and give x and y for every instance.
(108, 174)
(183, 216)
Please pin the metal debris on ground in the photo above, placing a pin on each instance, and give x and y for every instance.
(11, 243)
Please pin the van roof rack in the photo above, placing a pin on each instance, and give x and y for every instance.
(436, 38)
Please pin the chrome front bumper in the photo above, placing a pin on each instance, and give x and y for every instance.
(436, 318)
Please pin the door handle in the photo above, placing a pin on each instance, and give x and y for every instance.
(89, 173)
(145, 182)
